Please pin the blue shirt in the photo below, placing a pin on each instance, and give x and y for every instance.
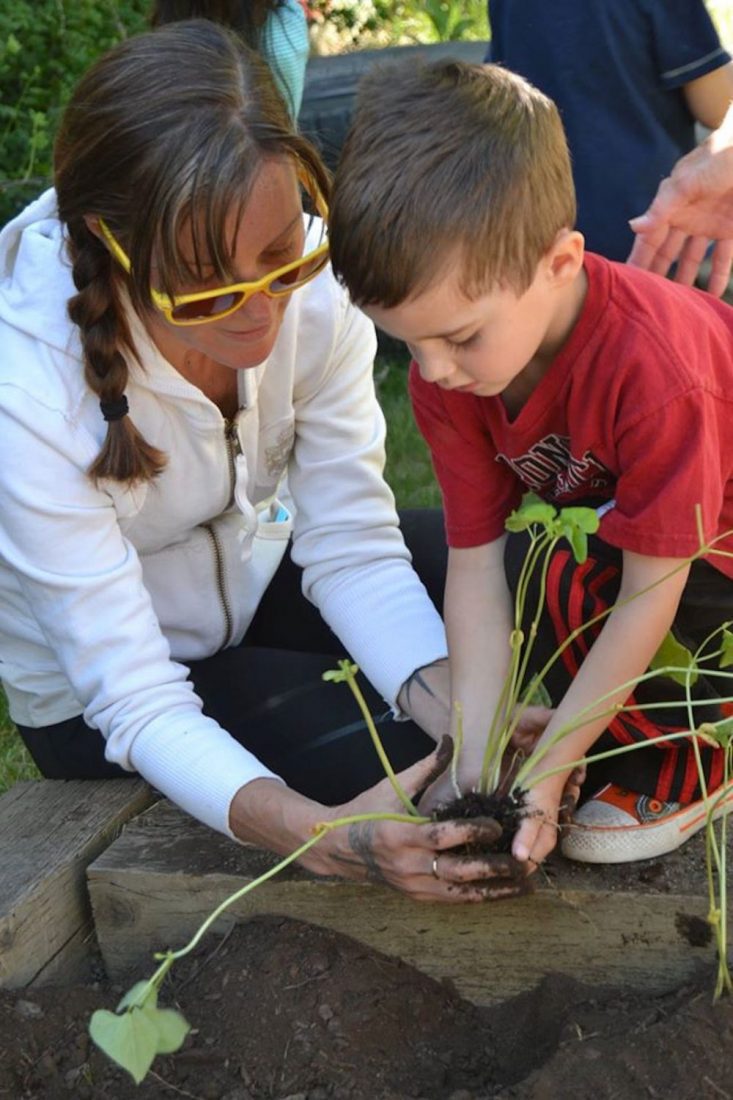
(616, 69)
(284, 45)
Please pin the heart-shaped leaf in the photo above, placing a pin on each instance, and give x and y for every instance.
(585, 519)
(576, 524)
(533, 510)
(672, 653)
(536, 694)
(130, 1039)
(171, 1027)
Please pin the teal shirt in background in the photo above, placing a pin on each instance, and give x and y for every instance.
(284, 45)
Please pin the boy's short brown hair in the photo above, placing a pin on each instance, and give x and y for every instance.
(443, 157)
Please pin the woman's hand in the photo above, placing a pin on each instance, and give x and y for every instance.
(418, 860)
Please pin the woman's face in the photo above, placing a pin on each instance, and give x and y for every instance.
(270, 234)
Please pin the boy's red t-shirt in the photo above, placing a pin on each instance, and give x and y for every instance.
(637, 408)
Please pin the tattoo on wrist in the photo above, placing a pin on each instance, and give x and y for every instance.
(418, 679)
(361, 841)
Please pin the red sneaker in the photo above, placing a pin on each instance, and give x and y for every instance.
(619, 826)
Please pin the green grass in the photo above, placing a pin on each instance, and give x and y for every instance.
(409, 472)
(15, 763)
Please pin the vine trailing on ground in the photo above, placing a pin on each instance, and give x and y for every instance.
(138, 1030)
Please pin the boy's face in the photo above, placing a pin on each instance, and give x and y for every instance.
(485, 345)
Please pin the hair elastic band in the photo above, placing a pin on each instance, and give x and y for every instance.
(114, 410)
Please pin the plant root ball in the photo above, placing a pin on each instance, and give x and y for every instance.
(507, 809)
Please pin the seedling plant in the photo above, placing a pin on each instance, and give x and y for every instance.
(139, 1029)
(545, 527)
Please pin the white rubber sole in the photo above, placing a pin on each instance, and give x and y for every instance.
(627, 843)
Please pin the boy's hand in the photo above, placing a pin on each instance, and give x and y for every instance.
(530, 728)
(549, 806)
(537, 833)
(571, 794)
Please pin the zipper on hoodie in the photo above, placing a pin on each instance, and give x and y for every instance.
(233, 448)
(221, 584)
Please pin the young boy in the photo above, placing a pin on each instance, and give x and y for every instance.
(538, 367)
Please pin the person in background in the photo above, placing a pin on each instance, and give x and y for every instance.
(631, 79)
(174, 345)
(538, 367)
(276, 28)
(691, 215)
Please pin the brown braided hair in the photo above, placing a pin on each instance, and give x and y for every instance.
(166, 130)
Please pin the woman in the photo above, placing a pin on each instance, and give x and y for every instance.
(174, 345)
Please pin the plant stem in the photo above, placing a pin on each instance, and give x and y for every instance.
(457, 746)
(404, 798)
(320, 830)
(500, 731)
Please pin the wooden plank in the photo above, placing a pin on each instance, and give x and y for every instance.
(49, 831)
(154, 886)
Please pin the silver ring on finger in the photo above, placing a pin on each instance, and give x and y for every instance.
(435, 865)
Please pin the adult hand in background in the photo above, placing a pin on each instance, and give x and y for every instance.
(692, 208)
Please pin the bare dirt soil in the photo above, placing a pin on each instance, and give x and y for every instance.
(281, 1009)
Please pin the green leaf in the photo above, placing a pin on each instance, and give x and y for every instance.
(673, 653)
(170, 1026)
(536, 694)
(130, 1040)
(532, 510)
(726, 659)
(585, 519)
(134, 999)
(576, 524)
(717, 733)
(725, 730)
(578, 541)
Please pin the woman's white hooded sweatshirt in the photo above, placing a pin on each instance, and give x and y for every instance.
(105, 591)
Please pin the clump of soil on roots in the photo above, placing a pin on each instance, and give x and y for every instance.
(283, 1010)
(507, 809)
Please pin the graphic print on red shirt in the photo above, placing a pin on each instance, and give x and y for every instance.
(550, 469)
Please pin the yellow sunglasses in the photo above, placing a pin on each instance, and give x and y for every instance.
(211, 305)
